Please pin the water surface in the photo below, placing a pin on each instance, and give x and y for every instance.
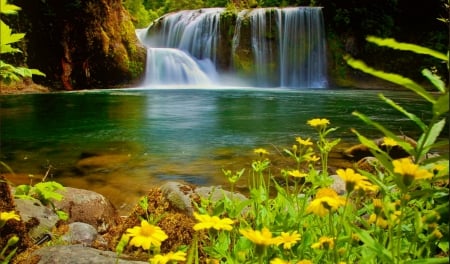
(122, 142)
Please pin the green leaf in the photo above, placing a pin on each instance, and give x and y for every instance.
(441, 105)
(374, 245)
(434, 79)
(429, 260)
(6, 35)
(391, 43)
(406, 146)
(411, 116)
(427, 140)
(8, 9)
(394, 78)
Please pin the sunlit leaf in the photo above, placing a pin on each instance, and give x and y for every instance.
(394, 78)
(427, 139)
(411, 116)
(391, 43)
(6, 35)
(406, 146)
(434, 79)
(8, 9)
(441, 105)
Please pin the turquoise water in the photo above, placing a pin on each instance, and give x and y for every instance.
(153, 135)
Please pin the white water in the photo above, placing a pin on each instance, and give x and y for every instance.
(286, 49)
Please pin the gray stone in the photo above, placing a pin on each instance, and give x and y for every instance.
(88, 207)
(80, 233)
(77, 254)
(29, 209)
(338, 184)
(181, 195)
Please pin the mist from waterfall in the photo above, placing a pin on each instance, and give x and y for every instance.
(263, 47)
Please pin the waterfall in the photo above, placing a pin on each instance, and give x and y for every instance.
(266, 47)
(167, 66)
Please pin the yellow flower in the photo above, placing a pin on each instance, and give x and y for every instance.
(304, 142)
(410, 171)
(207, 222)
(263, 237)
(312, 158)
(355, 181)
(5, 216)
(324, 243)
(166, 258)
(389, 142)
(318, 122)
(278, 261)
(304, 261)
(261, 151)
(378, 220)
(146, 235)
(326, 200)
(297, 174)
(288, 240)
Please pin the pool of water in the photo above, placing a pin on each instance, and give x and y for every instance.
(122, 142)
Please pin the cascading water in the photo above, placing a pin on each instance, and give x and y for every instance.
(276, 47)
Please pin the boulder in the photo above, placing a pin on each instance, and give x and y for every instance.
(88, 207)
(182, 195)
(43, 218)
(75, 254)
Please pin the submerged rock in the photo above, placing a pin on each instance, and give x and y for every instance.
(360, 151)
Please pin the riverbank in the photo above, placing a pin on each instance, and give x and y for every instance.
(23, 87)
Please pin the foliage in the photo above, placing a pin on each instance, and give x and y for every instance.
(9, 72)
(46, 192)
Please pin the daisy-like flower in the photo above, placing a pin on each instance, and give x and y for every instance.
(305, 261)
(166, 258)
(389, 142)
(288, 240)
(278, 261)
(324, 243)
(297, 174)
(146, 235)
(378, 220)
(318, 122)
(312, 158)
(304, 142)
(410, 171)
(262, 238)
(326, 200)
(207, 222)
(355, 181)
(6, 216)
(261, 151)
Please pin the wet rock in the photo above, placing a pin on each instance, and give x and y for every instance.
(88, 207)
(80, 233)
(40, 217)
(77, 254)
(360, 151)
(182, 195)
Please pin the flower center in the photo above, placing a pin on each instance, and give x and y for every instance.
(147, 230)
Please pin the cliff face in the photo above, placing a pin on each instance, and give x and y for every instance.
(81, 44)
